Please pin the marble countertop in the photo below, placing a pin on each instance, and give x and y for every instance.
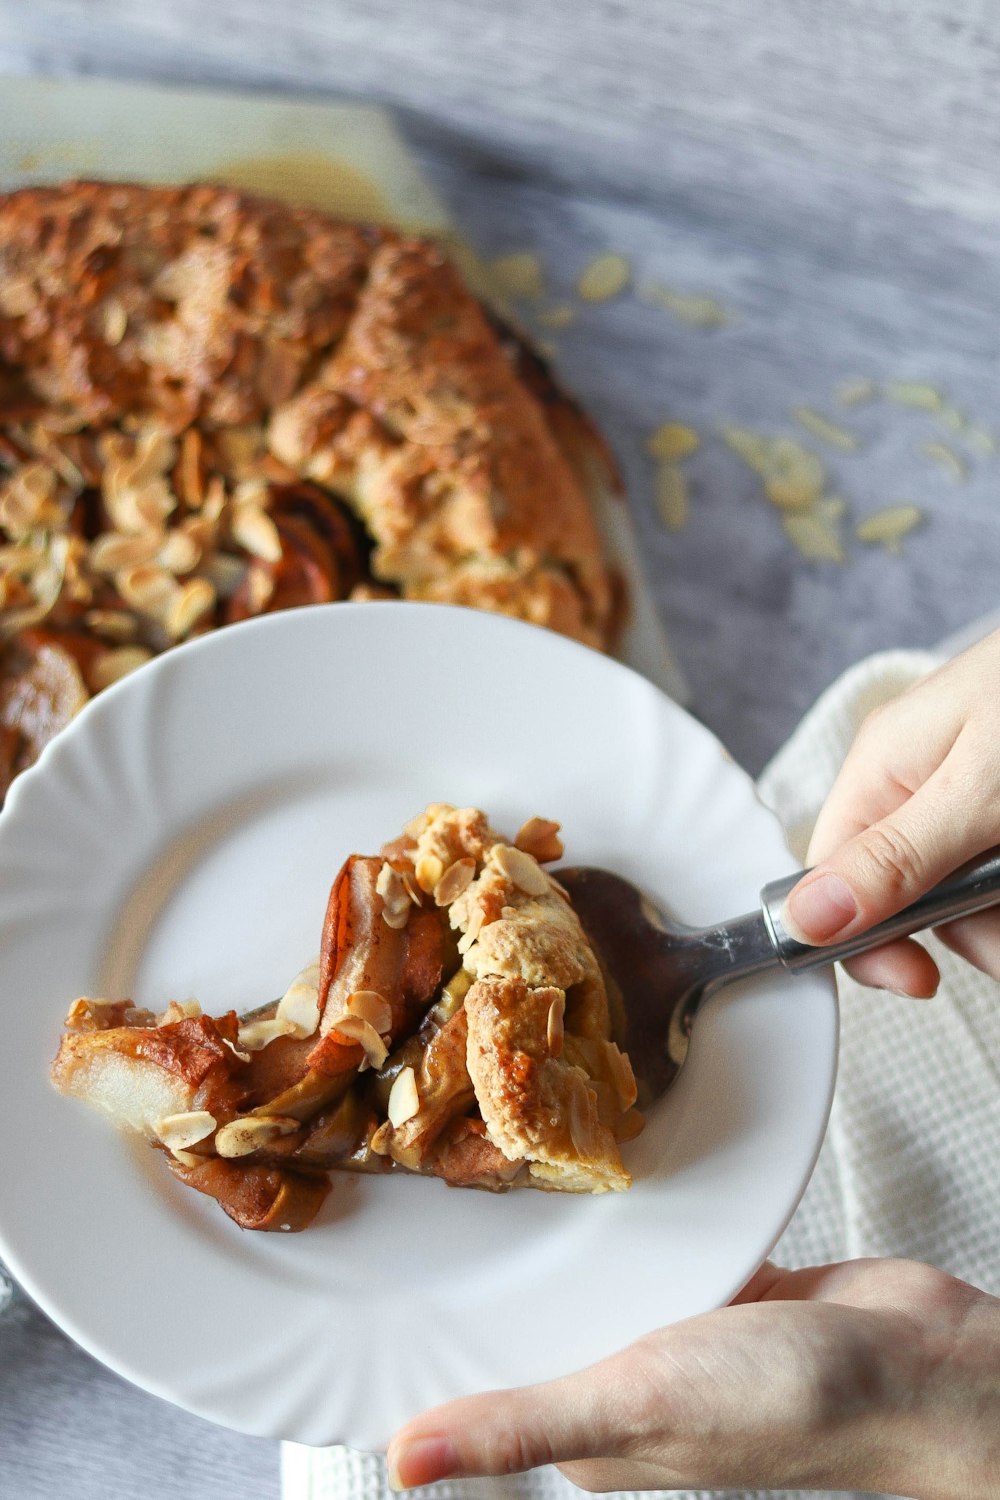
(837, 207)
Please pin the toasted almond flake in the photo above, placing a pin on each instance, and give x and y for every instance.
(415, 827)
(945, 457)
(179, 1010)
(187, 1158)
(396, 898)
(260, 587)
(114, 321)
(112, 624)
(814, 536)
(520, 868)
(822, 427)
(372, 1007)
(622, 1076)
(428, 871)
(751, 446)
(117, 662)
(554, 1028)
(381, 1137)
(177, 1132)
(672, 441)
(539, 837)
(518, 275)
(889, 526)
(672, 499)
(605, 277)
(255, 532)
(404, 1100)
(116, 550)
(456, 879)
(695, 309)
(581, 1124)
(855, 389)
(256, 1035)
(251, 1133)
(147, 588)
(558, 318)
(474, 926)
(17, 298)
(298, 1008)
(356, 1029)
(914, 393)
(191, 604)
(179, 552)
(244, 1057)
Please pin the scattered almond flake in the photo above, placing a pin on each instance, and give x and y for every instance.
(404, 1100)
(114, 550)
(114, 321)
(981, 440)
(539, 837)
(260, 587)
(27, 501)
(953, 418)
(381, 1137)
(194, 600)
(520, 868)
(793, 475)
(148, 588)
(256, 532)
(820, 427)
(889, 526)
(396, 896)
(17, 298)
(855, 389)
(112, 624)
(672, 441)
(622, 1075)
(554, 1032)
(672, 497)
(945, 457)
(558, 317)
(518, 275)
(364, 1033)
(605, 277)
(914, 393)
(251, 1133)
(372, 1007)
(256, 1035)
(179, 1010)
(111, 665)
(179, 552)
(456, 879)
(186, 1129)
(298, 1008)
(428, 871)
(813, 536)
(697, 310)
(752, 447)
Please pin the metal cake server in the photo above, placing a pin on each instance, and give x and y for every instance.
(661, 970)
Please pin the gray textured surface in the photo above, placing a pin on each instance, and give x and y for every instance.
(829, 173)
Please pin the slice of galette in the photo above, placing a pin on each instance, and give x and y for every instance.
(455, 1024)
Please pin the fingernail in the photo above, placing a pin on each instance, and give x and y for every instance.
(818, 909)
(422, 1461)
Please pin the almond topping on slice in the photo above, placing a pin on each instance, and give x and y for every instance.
(363, 1032)
(180, 1131)
(404, 1101)
(256, 532)
(372, 1007)
(520, 868)
(621, 1074)
(179, 1010)
(256, 1035)
(251, 1132)
(428, 871)
(379, 1142)
(457, 878)
(539, 837)
(554, 1031)
(114, 550)
(396, 900)
(298, 1008)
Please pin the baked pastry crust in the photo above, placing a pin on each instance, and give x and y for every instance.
(229, 385)
(502, 1075)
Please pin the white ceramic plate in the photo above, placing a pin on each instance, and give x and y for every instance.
(180, 838)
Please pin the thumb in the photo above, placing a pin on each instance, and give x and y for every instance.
(886, 866)
(505, 1432)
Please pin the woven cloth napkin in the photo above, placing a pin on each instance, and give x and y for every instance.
(908, 1166)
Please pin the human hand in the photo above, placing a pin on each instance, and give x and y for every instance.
(871, 1375)
(918, 795)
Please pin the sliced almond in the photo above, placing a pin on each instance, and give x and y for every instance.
(379, 1142)
(372, 1007)
(520, 868)
(539, 837)
(404, 1100)
(672, 441)
(606, 276)
(554, 1029)
(179, 1010)
(191, 604)
(177, 1132)
(114, 321)
(112, 624)
(396, 901)
(256, 1035)
(148, 588)
(115, 550)
(363, 1032)
(252, 1132)
(298, 1008)
(117, 662)
(621, 1074)
(180, 551)
(456, 879)
(474, 927)
(255, 532)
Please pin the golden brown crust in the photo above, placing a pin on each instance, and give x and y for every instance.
(360, 351)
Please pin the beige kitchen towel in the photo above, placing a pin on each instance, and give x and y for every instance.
(908, 1166)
